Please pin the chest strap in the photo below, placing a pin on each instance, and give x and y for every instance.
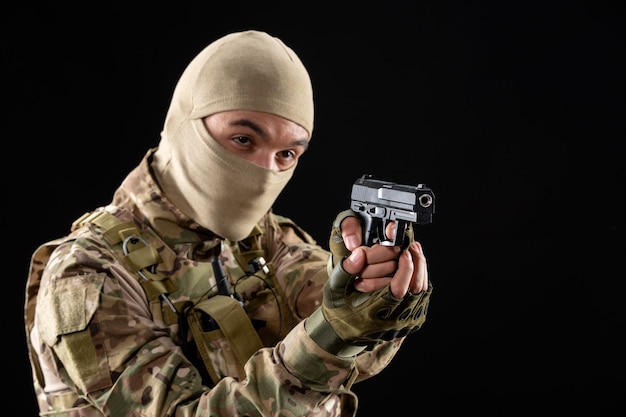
(138, 255)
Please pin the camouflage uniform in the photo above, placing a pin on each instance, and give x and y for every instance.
(100, 345)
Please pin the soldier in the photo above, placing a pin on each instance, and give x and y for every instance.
(187, 295)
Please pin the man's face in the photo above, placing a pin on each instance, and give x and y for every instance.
(263, 139)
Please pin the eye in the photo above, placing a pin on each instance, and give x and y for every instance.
(242, 140)
(287, 158)
(287, 155)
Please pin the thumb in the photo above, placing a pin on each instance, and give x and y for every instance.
(340, 278)
(355, 263)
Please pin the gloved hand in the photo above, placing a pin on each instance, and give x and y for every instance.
(349, 320)
(336, 243)
(340, 249)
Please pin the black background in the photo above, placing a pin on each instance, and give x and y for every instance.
(513, 113)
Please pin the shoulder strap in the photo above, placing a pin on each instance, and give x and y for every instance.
(250, 249)
(137, 250)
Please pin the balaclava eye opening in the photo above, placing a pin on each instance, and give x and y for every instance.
(241, 71)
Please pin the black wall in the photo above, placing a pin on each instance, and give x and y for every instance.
(512, 114)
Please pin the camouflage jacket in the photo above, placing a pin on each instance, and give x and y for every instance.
(104, 343)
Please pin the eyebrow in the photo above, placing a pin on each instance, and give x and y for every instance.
(250, 124)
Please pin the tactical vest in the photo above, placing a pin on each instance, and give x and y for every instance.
(219, 329)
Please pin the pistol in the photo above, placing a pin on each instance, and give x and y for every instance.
(378, 202)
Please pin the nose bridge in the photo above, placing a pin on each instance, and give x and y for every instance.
(265, 158)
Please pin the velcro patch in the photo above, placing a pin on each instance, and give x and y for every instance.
(68, 306)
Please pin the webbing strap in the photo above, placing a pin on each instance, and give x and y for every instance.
(142, 258)
(140, 253)
(154, 289)
(249, 248)
(115, 230)
(234, 324)
(197, 333)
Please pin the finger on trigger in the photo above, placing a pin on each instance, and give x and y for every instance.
(402, 278)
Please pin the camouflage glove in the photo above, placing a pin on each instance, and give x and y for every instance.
(335, 243)
(350, 321)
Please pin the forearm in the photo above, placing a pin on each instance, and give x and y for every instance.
(295, 378)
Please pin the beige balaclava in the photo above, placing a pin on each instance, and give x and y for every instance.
(222, 192)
